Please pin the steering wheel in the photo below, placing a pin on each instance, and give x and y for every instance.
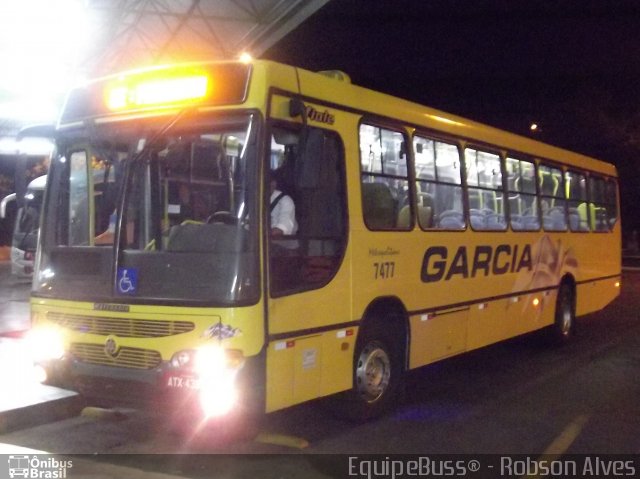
(224, 217)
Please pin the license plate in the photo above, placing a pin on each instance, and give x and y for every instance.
(181, 382)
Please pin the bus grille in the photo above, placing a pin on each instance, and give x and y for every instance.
(125, 358)
(124, 328)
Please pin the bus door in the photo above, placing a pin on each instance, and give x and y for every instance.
(310, 350)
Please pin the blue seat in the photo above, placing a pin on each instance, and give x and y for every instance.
(451, 220)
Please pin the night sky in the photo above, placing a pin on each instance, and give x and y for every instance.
(573, 66)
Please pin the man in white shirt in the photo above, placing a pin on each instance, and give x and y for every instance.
(283, 211)
(284, 253)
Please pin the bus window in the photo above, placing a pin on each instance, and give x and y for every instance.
(576, 187)
(196, 178)
(78, 212)
(523, 201)
(385, 182)
(611, 199)
(552, 198)
(89, 200)
(484, 181)
(311, 173)
(438, 184)
(192, 182)
(602, 204)
(189, 213)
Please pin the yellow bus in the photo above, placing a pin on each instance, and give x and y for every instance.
(421, 235)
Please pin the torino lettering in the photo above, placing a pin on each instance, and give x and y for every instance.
(320, 116)
(481, 260)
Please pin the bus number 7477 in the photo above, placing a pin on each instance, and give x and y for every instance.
(384, 270)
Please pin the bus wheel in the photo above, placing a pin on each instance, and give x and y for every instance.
(377, 375)
(563, 329)
(373, 372)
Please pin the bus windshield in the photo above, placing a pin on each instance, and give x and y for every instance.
(142, 210)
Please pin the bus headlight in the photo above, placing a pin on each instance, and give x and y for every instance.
(45, 344)
(217, 369)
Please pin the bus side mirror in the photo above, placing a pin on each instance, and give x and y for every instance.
(297, 108)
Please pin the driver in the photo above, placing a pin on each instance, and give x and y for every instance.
(282, 208)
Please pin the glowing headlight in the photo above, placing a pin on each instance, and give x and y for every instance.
(217, 370)
(210, 361)
(45, 344)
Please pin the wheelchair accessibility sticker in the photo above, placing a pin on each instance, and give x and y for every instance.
(127, 280)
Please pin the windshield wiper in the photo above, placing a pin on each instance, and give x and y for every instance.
(148, 146)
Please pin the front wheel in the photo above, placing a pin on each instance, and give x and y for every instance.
(373, 372)
(378, 373)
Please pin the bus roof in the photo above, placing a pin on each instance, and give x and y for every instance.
(343, 93)
(227, 84)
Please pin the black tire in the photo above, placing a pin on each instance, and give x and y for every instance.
(564, 327)
(378, 374)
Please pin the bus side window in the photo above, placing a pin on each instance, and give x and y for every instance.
(601, 204)
(611, 199)
(552, 198)
(439, 184)
(384, 180)
(576, 187)
(521, 192)
(484, 190)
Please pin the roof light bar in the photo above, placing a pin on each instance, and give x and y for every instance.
(144, 92)
(158, 89)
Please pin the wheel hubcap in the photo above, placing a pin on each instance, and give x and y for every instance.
(373, 372)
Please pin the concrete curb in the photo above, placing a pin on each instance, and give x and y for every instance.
(67, 404)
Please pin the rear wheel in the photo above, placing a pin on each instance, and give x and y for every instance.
(563, 329)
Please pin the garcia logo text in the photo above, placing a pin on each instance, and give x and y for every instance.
(438, 264)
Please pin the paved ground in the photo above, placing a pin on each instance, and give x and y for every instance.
(28, 402)
(517, 397)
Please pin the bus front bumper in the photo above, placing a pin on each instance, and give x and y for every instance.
(164, 389)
